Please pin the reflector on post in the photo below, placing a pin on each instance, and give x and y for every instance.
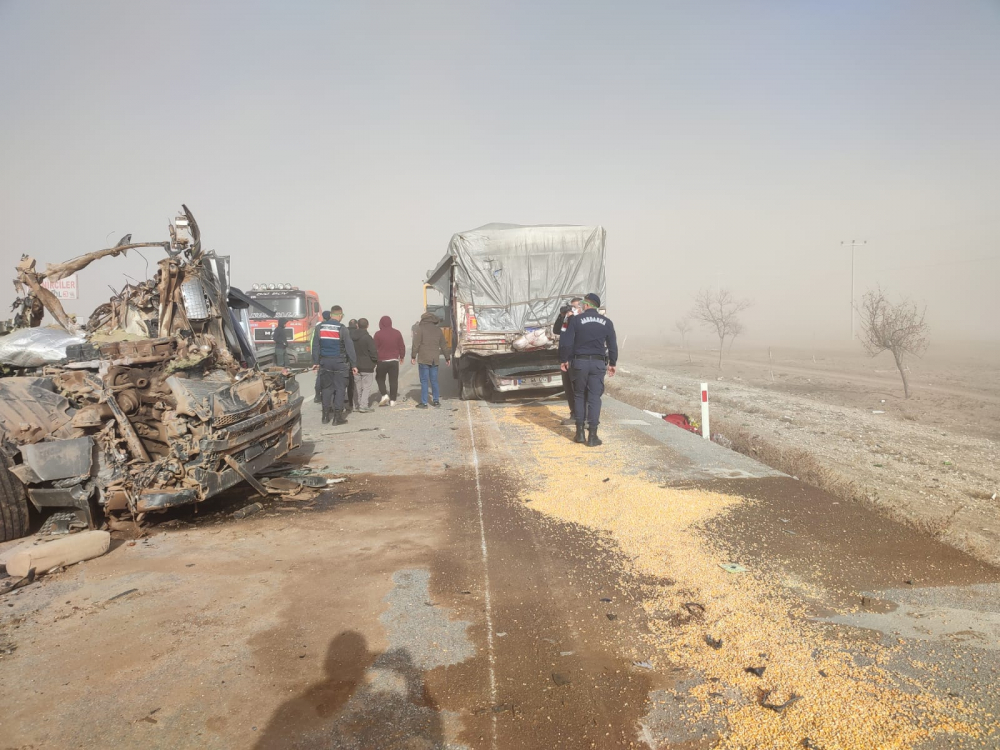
(705, 431)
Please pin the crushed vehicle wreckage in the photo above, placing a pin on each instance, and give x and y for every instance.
(157, 401)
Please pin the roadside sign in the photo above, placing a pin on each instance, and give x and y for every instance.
(64, 288)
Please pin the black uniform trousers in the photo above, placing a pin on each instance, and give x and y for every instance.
(588, 385)
(334, 373)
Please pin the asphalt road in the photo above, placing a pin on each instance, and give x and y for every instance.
(453, 594)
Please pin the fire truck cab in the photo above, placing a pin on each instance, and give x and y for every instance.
(301, 311)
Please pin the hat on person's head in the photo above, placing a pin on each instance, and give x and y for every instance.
(593, 300)
(326, 315)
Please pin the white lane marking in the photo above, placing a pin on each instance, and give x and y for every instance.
(486, 576)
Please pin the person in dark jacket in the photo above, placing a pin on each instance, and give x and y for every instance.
(589, 350)
(318, 399)
(428, 345)
(333, 355)
(367, 352)
(280, 338)
(558, 329)
(352, 327)
(391, 353)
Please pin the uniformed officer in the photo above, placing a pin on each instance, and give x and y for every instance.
(588, 350)
(333, 355)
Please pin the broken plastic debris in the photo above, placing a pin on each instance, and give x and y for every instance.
(124, 593)
(763, 695)
(732, 567)
(248, 510)
(644, 664)
(715, 643)
(611, 616)
(694, 608)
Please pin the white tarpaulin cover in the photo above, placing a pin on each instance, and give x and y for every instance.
(517, 277)
(34, 347)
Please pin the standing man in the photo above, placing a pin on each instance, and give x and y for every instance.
(558, 329)
(391, 353)
(364, 347)
(588, 350)
(318, 399)
(280, 338)
(428, 344)
(333, 355)
(352, 327)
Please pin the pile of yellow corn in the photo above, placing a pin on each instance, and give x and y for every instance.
(836, 704)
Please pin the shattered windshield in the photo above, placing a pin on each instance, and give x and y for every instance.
(284, 306)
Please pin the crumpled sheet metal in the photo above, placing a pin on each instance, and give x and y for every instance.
(36, 347)
(31, 410)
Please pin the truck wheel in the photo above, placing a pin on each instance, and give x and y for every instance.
(468, 386)
(484, 387)
(13, 504)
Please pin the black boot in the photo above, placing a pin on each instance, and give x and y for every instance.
(580, 437)
(592, 440)
(326, 415)
(339, 418)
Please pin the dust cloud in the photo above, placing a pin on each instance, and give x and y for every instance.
(339, 147)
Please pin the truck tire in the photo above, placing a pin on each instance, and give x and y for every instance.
(467, 385)
(483, 385)
(13, 504)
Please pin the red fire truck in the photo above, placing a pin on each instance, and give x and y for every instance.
(301, 310)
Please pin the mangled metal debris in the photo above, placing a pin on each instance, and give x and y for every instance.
(155, 402)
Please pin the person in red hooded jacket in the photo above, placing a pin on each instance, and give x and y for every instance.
(391, 352)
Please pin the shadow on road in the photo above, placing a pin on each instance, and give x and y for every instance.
(365, 700)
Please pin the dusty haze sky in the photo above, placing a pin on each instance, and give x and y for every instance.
(338, 146)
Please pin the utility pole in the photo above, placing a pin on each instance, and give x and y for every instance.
(853, 244)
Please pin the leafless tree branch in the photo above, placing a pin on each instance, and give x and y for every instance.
(899, 327)
(719, 311)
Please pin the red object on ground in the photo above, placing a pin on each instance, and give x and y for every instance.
(681, 421)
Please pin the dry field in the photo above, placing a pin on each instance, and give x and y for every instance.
(838, 420)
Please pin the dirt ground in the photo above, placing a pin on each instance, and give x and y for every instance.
(480, 581)
(837, 419)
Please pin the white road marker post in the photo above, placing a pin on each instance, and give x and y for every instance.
(705, 431)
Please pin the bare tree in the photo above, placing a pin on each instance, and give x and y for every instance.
(683, 326)
(720, 311)
(898, 327)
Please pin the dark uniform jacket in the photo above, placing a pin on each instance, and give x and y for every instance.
(332, 339)
(589, 334)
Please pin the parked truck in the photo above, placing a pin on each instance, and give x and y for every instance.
(501, 288)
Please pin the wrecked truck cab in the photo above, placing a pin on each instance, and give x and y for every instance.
(150, 406)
